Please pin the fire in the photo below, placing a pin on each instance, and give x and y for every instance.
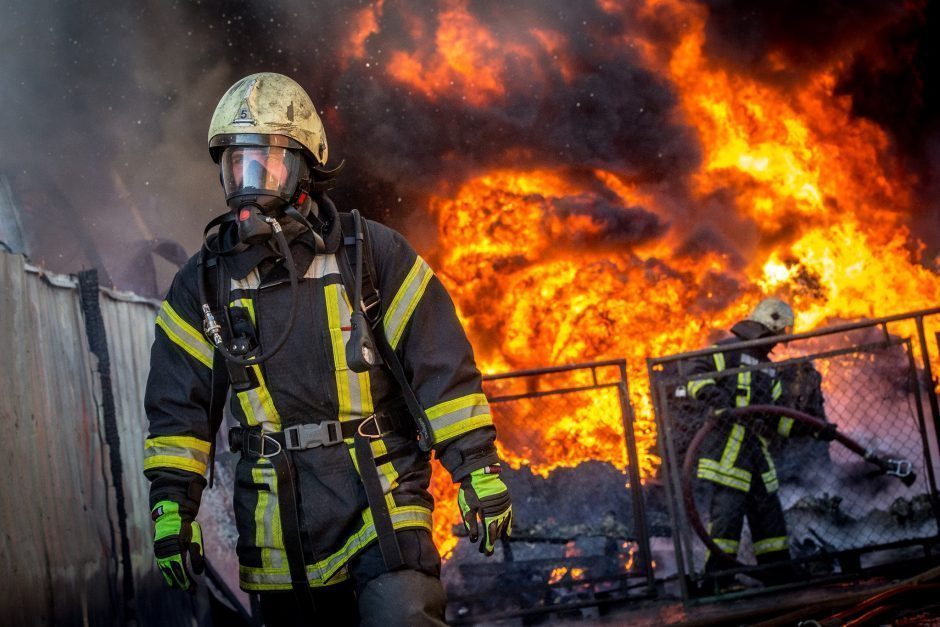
(557, 574)
(817, 200)
(464, 56)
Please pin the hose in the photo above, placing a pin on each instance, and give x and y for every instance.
(900, 468)
(213, 329)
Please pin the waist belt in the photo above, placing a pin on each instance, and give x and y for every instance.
(278, 446)
(253, 442)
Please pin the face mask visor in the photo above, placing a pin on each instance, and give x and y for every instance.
(261, 171)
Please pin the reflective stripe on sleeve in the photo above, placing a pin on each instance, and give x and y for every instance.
(458, 416)
(777, 390)
(176, 451)
(727, 545)
(695, 387)
(784, 426)
(403, 305)
(184, 335)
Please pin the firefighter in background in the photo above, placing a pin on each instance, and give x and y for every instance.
(735, 458)
(310, 539)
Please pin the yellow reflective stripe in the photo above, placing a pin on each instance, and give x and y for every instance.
(777, 390)
(258, 406)
(184, 335)
(405, 301)
(727, 545)
(695, 386)
(269, 537)
(769, 545)
(170, 461)
(176, 451)
(178, 441)
(353, 389)
(457, 416)
(737, 473)
(725, 480)
(719, 361)
(255, 579)
(770, 476)
(784, 426)
(744, 381)
(327, 569)
(770, 482)
(732, 446)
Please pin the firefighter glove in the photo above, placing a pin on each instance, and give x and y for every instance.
(827, 433)
(484, 499)
(176, 535)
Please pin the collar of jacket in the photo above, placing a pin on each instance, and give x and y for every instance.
(239, 265)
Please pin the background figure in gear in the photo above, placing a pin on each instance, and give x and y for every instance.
(735, 458)
(285, 313)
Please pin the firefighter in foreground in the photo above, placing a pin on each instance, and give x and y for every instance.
(344, 364)
(735, 457)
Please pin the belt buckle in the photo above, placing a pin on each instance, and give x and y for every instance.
(302, 437)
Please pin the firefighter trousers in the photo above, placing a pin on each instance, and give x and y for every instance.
(765, 518)
(372, 597)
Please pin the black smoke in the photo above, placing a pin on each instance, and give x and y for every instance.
(104, 108)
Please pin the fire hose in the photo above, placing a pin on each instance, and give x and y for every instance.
(900, 468)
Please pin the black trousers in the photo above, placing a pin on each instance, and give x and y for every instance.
(764, 516)
(372, 596)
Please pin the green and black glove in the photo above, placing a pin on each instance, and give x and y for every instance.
(176, 535)
(484, 498)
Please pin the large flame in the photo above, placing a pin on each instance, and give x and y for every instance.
(536, 285)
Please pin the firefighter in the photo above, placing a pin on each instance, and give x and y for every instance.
(735, 458)
(331, 490)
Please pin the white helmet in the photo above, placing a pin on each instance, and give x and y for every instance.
(268, 109)
(774, 314)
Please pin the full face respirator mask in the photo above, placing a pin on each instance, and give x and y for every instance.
(261, 182)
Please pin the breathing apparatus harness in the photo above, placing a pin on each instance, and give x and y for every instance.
(232, 361)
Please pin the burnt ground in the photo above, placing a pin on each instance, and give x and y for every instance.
(907, 596)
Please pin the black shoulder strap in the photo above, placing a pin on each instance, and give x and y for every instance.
(371, 298)
(220, 376)
(372, 303)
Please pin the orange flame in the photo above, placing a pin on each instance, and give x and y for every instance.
(822, 208)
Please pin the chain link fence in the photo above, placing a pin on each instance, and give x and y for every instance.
(770, 491)
(579, 536)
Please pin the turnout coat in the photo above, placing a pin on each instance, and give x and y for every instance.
(308, 382)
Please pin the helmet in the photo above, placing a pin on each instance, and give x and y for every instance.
(266, 136)
(774, 314)
(268, 109)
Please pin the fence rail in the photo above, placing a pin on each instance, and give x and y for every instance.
(813, 509)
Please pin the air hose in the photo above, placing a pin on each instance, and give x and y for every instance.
(213, 329)
(900, 468)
